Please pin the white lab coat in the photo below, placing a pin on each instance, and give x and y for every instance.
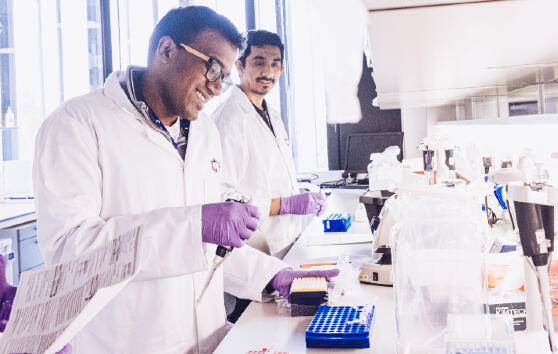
(258, 165)
(99, 170)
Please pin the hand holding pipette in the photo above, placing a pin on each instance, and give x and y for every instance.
(227, 225)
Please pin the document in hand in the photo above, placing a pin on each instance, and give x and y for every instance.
(54, 303)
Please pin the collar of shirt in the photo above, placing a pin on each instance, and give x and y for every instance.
(264, 106)
(265, 115)
(132, 90)
(174, 130)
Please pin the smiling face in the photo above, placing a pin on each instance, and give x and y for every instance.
(184, 89)
(262, 70)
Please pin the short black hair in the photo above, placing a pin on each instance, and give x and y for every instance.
(259, 38)
(184, 23)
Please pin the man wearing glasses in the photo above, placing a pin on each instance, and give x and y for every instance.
(256, 148)
(139, 152)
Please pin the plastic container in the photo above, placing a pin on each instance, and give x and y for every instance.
(384, 170)
(474, 334)
(436, 247)
(337, 222)
(340, 327)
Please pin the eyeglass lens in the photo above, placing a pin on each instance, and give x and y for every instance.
(215, 71)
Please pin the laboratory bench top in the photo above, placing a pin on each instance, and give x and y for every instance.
(261, 326)
(16, 212)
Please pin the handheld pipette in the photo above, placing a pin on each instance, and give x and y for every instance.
(220, 254)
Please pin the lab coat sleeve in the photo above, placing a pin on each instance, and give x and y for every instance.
(247, 272)
(236, 158)
(67, 180)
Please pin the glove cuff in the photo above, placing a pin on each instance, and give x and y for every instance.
(284, 208)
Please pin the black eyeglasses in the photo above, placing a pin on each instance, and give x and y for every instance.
(214, 68)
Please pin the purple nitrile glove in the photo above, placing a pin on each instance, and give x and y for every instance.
(66, 350)
(283, 279)
(228, 223)
(7, 296)
(303, 204)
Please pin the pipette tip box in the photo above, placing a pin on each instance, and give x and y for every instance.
(308, 291)
(337, 222)
(340, 327)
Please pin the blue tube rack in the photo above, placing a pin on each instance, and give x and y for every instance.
(329, 328)
(337, 222)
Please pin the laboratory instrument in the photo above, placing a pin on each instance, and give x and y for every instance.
(379, 270)
(534, 200)
(450, 163)
(221, 254)
(428, 164)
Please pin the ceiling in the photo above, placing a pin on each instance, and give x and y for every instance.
(430, 53)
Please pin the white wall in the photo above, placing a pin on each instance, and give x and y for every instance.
(414, 126)
(506, 138)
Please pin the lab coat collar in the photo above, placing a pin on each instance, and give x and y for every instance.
(115, 85)
(248, 107)
(242, 99)
(113, 90)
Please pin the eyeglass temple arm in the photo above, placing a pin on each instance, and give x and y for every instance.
(195, 52)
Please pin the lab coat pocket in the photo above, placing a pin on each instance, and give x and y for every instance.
(212, 188)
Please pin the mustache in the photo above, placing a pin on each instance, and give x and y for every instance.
(262, 78)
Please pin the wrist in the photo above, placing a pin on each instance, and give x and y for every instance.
(275, 207)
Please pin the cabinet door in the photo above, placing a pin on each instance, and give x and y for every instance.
(29, 231)
(30, 255)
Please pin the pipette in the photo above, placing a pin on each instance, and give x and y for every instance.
(220, 255)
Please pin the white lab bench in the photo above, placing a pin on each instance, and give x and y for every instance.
(260, 326)
(16, 212)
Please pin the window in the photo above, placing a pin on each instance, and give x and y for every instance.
(132, 22)
(307, 104)
(50, 51)
(266, 19)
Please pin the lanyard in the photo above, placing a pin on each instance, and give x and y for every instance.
(162, 126)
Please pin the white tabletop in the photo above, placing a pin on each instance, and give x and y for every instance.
(262, 327)
(16, 212)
